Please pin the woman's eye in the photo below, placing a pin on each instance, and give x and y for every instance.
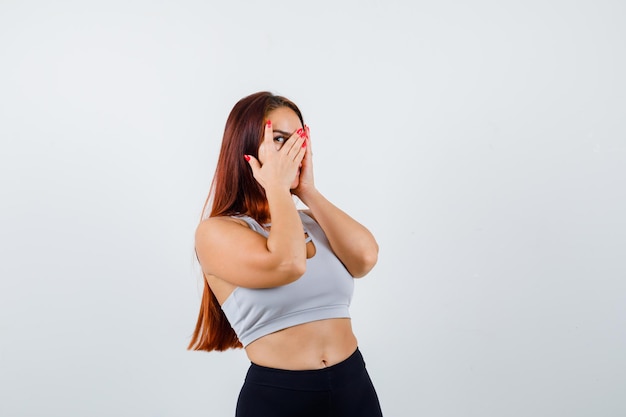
(280, 139)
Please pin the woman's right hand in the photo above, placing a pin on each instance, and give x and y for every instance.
(278, 164)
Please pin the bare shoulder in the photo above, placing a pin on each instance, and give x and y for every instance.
(217, 238)
(216, 227)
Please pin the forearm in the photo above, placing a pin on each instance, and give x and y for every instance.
(286, 233)
(353, 243)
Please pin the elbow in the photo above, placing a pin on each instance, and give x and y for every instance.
(298, 269)
(367, 261)
(370, 260)
(292, 270)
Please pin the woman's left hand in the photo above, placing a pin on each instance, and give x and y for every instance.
(306, 183)
(353, 244)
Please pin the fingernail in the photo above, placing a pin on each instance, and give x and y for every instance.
(304, 144)
(247, 157)
(269, 123)
(300, 131)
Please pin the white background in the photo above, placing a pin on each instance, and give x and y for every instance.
(484, 143)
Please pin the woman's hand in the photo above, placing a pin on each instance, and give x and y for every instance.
(277, 167)
(306, 184)
(353, 244)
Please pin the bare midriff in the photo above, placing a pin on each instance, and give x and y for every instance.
(313, 345)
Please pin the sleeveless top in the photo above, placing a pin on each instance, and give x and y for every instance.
(323, 292)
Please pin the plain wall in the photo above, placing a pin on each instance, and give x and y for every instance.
(484, 144)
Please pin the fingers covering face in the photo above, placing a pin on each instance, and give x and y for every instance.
(296, 145)
(268, 138)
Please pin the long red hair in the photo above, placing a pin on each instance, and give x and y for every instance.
(235, 191)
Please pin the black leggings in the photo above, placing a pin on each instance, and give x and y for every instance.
(341, 390)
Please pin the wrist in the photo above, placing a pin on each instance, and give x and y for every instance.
(272, 193)
(309, 196)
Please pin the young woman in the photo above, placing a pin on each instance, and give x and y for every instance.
(278, 281)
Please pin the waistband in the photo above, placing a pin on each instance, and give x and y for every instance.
(324, 379)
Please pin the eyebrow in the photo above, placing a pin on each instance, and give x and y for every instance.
(282, 132)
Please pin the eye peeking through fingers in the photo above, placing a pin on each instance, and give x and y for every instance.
(280, 139)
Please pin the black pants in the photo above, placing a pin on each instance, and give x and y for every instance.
(341, 390)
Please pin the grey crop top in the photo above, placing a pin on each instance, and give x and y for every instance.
(323, 292)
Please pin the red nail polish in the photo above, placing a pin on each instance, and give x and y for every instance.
(269, 123)
(300, 131)
(247, 157)
(304, 144)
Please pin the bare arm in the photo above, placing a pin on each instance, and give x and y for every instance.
(229, 250)
(353, 244)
